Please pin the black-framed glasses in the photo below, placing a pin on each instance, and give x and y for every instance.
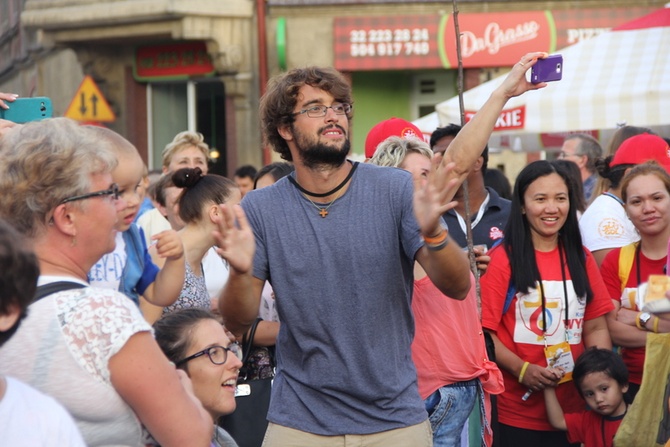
(217, 354)
(112, 191)
(321, 110)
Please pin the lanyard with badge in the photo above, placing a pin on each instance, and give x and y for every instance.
(558, 355)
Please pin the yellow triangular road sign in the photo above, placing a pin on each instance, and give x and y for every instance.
(89, 104)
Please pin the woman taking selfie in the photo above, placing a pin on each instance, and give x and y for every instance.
(556, 307)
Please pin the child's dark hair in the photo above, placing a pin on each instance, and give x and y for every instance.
(277, 170)
(19, 270)
(595, 360)
(174, 332)
(199, 190)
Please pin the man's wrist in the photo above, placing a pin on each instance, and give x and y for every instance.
(437, 242)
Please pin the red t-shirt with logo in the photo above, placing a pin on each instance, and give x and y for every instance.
(520, 329)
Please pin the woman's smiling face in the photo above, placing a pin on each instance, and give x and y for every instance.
(546, 205)
(213, 384)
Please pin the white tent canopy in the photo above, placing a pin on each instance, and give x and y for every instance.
(428, 123)
(621, 76)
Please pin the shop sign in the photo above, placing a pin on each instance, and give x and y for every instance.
(172, 61)
(492, 40)
(487, 39)
(509, 119)
(393, 42)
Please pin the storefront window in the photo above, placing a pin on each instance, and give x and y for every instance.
(187, 105)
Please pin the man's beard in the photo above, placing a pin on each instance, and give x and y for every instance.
(320, 155)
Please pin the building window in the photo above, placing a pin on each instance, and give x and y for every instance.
(430, 88)
(187, 105)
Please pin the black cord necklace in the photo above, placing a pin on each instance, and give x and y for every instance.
(325, 194)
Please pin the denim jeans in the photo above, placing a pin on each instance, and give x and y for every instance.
(448, 409)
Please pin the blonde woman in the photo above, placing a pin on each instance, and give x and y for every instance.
(187, 150)
(89, 348)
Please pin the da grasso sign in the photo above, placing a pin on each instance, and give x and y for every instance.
(487, 39)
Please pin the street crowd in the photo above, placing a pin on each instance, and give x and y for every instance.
(414, 299)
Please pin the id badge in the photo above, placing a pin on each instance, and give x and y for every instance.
(560, 356)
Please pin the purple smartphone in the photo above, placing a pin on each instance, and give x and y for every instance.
(548, 69)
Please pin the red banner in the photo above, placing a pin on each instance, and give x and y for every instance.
(557, 139)
(488, 39)
(509, 119)
(175, 60)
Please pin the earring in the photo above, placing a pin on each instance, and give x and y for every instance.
(74, 241)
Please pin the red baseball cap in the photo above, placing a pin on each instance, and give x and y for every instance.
(642, 148)
(392, 127)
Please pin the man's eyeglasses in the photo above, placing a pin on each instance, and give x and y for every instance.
(217, 354)
(563, 155)
(321, 110)
(112, 191)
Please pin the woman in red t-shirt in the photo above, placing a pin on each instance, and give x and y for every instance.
(557, 307)
(646, 195)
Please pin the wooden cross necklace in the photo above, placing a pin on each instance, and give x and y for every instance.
(323, 210)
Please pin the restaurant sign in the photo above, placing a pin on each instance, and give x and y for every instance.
(172, 61)
(487, 39)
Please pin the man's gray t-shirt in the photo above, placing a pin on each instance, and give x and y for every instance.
(343, 288)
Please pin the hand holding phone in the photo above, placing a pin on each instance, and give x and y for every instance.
(7, 98)
(24, 110)
(547, 69)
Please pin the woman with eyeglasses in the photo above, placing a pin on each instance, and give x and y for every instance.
(196, 342)
(89, 348)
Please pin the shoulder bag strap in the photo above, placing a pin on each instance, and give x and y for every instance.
(626, 257)
(54, 287)
(247, 345)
